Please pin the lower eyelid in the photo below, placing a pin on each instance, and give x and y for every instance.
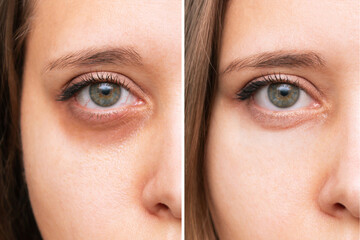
(98, 118)
(101, 118)
(286, 119)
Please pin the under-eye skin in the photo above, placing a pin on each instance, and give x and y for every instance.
(100, 95)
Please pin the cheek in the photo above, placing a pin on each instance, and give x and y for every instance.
(74, 183)
(264, 178)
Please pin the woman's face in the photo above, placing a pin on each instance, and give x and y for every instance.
(101, 119)
(283, 156)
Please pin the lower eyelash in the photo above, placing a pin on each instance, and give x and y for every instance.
(253, 86)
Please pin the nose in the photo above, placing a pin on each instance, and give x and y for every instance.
(340, 195)
(161, 195)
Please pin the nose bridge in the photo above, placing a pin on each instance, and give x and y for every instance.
(169, 165)
(350, 164)
(172, 127)
(169, 171)
(351, 126)
(349, 167)
(351, 111)
(348, 172)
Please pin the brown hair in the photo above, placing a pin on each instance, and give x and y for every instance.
(203, 21)
(17, 220)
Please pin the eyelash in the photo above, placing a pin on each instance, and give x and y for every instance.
(72, 90)
(253, 86)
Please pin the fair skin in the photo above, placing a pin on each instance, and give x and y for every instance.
(287, 173)
(97, 172)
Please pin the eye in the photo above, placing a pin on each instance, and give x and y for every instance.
(278, 92)
(282, 97)
(104, 95)
(100, 91)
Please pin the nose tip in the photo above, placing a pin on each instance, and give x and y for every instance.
(341, 198)
(162, 198)
(172, 204)
(353, 203)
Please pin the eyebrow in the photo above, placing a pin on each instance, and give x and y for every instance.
(90, 57)
(277, 59)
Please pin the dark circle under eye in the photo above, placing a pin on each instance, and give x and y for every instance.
(283, 95)
(104, 94)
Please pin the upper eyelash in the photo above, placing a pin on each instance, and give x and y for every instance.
(87, 80)
(250, 88)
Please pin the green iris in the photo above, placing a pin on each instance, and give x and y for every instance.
(104, 94)
(283, 95)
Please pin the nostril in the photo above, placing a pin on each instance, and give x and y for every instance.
(161, 207)
(161, 210)
(339, 207)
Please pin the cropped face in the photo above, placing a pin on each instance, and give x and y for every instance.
(283, 155)
(101, 119)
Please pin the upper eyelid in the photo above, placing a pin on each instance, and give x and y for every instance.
(300, 82)
(278, 77)
(97, 77)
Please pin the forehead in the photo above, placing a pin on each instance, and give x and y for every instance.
(253, 26)
(70, 25)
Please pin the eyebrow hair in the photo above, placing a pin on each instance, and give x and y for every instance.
(89, 57)
(277, 59)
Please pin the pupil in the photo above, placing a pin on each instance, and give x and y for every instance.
(105, 94)
(283, 95)
(105, 90)
(284, 91)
